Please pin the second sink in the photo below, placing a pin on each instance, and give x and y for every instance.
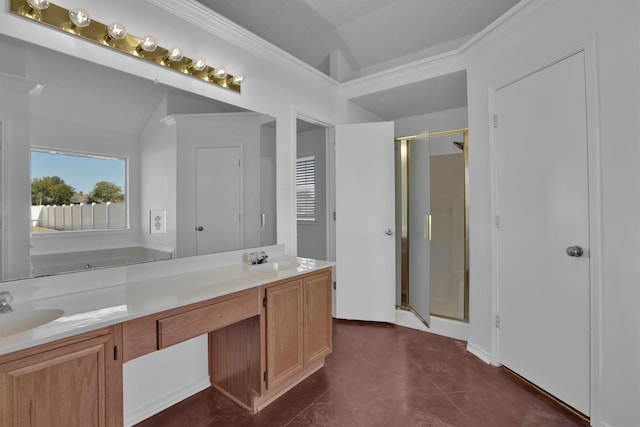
(20, 321)
(276, 264)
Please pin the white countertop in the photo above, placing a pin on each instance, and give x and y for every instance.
(99, 307)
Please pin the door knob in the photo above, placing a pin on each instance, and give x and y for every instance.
(199, 228)
(575, 251)
(388, 232)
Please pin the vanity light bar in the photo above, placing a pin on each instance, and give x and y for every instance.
(114, 36)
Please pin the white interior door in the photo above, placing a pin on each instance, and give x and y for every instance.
(365, 222)
(218, 199)
(542, 203)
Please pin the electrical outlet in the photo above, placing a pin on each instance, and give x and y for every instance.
(157, 221)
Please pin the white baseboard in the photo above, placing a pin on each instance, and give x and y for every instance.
(158, 405)
(440, 326)
(479, 353)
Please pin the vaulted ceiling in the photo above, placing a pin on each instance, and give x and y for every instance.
(372, 36)
(369, 34)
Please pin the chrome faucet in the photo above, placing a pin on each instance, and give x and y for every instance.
(257, 257)
(5, 300)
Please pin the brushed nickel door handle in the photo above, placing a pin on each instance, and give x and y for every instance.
(575, 251)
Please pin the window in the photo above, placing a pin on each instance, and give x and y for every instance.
(306, 189)
(75, 192)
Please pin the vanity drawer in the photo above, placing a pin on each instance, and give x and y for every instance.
(159, 330)
(139, 337)
(221, 312)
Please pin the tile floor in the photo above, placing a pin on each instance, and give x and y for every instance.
(386, 375)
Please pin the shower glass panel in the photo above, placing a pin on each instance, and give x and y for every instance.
(419, 225)
(447, 273)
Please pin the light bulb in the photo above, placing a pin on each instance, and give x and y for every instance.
(38, 4)
(198, 64)
(79, 17)
(237, 80)
(175, 54)
(219, 72)
(148, 43)
(116, 31)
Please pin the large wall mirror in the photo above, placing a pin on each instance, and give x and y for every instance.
(102, 168)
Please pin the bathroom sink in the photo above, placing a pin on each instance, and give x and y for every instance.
(20, 321)
(276, 264)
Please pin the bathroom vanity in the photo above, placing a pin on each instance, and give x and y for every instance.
(269, 327)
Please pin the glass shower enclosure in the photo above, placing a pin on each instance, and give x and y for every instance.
(431, 207)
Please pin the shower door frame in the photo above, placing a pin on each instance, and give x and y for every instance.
(404, 301)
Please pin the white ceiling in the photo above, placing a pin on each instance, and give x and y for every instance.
(367, 32)
(372, 35)
(423, 97)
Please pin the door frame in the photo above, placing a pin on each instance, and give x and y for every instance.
(329, 181)
(594, 211)
(330, 185)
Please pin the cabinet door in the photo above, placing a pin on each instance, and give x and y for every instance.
(317, 317)
(74, 385)
(284, 332)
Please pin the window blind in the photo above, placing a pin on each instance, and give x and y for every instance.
(306, 189)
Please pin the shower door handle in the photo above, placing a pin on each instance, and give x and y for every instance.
(427, 227)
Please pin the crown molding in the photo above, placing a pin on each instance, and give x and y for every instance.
(422, 69)
(216, 24)
(429, 67)
(517, 13)
(168, 121)
(444, 63)
(32, 87)
(171, 119)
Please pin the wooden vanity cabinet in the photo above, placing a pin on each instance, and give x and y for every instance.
(75, 381)
(262, 342)
(285, 331)
(298, 326)
(256, 361)
(317, 320)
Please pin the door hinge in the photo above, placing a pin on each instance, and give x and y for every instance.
(115, 352)
(265, 376)
(498, 321)
(334, 215)
(264, 302)
(495, 120)
(334, 285)
(497, 221)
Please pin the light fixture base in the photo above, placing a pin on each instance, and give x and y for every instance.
(97, 32)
